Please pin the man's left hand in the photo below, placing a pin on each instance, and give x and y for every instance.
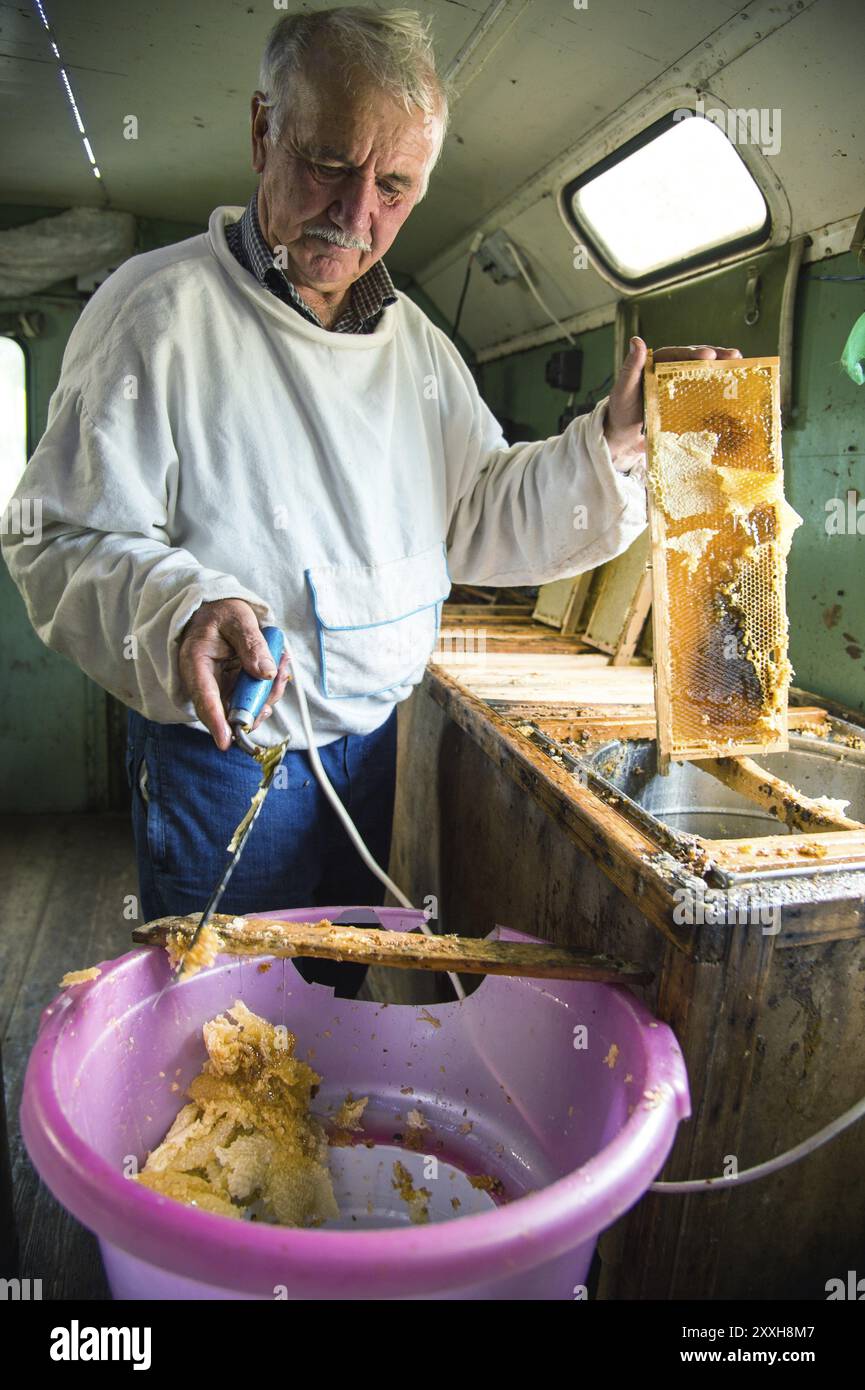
(624, 419)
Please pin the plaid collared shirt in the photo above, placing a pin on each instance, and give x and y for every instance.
(370, 294)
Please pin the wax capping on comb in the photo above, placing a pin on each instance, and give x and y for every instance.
(246, 1144)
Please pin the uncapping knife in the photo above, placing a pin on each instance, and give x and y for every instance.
(247, 702)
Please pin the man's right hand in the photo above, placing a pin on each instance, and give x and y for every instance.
(218, 640)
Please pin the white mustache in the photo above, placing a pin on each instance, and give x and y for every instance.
(339, 238)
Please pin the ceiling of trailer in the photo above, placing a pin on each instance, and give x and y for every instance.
(543, 89)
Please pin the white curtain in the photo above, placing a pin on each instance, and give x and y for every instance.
(76, 242)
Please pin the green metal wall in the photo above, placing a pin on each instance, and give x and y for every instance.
(515, 386)
(56, 753)
(53, 734)
(824, 450)
(825, 458)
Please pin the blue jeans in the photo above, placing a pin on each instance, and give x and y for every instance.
(188, 797)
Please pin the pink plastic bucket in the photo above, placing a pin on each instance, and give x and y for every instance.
(503, 1082)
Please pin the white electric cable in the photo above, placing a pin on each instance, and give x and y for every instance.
(351, 829)
(521, 266)
(772, 1165)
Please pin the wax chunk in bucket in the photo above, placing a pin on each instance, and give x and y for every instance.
(573, 1134)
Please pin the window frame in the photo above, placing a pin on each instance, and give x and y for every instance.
(735, 249)
(28, 399)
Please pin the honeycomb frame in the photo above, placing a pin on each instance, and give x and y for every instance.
(720, 529)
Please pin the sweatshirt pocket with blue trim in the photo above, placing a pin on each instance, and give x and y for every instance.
(377, 624)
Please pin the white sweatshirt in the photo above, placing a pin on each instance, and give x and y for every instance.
(205, 441)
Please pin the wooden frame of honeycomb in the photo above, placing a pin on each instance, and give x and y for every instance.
(720, 531)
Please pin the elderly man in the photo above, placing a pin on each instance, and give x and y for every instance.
(255, 427)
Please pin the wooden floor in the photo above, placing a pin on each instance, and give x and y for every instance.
(64, 881)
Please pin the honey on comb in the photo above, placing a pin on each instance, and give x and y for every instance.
(721, 532)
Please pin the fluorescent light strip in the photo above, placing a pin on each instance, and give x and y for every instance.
(69, 93)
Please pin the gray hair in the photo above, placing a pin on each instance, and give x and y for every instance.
(393, 46)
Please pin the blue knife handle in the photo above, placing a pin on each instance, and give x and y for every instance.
(250, 693)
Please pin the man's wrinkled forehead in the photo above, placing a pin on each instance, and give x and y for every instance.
(343, 117)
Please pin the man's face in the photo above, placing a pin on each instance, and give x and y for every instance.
(350, 161)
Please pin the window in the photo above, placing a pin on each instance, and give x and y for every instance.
(13, 417)
(673, 197)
